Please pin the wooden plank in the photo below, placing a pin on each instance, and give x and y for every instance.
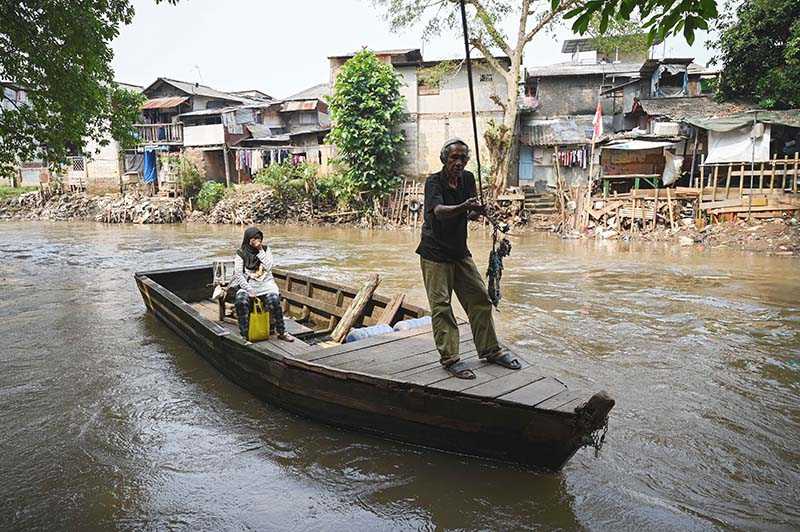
(714, 184)
(506, 384)
(555, 402)
(758, 201)
(745, 208)
(741, 182)
(391, 309)
(368, 358)
(671, 212)
(534, 393)
(728, 182)
(794, 177)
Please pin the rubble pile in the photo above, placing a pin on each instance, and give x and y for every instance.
(140, 209)
(133, 208)
(36, 206)
(258, 205)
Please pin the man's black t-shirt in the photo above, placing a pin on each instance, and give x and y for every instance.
(445, 240)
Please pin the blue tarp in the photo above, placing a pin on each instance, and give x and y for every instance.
(150, 171)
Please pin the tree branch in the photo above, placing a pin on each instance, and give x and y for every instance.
(488, 55)
(496, 99)
(546, 19)
(496, 36)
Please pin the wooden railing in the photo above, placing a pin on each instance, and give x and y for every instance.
(160, 133)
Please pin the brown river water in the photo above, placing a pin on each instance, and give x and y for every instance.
(109, 421)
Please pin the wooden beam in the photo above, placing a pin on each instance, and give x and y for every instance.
(391, 309)
(356, 309)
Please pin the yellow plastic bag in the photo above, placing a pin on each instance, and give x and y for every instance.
(259, 322)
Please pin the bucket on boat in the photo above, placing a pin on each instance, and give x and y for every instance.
(414, 323)
(366, 332)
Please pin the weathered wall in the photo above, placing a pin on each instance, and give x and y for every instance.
(441, 116)
(572, 95)
(103, 167)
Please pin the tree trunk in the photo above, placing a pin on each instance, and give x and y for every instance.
(506, 165)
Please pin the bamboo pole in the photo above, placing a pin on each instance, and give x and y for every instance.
(671, 212)
(714, 185)
(728, 181)
(794, 176)
(741, 182)
(760, 178)
(785, 171)
(772, 176)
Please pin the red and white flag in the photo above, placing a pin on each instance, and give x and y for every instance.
(598, 123)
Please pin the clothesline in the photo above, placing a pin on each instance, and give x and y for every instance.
(574, 157)
(254, 159)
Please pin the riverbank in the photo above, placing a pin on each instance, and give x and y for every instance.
(258, 205)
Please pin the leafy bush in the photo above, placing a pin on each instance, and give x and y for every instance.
(209, 195)
(366, 109)
(189, 176)
(337, 188)
(288, 180)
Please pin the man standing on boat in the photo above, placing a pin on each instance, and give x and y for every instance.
(447, 265)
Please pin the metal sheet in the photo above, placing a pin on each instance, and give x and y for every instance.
(164, 103)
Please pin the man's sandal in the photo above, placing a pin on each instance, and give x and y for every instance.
(460, 370)
(505, 359)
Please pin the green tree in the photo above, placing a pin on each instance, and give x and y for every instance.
(623, 36)
(60, 52)
(126, 106)
(366, 111)
(486, 34)
(759, 52)
(662, 18)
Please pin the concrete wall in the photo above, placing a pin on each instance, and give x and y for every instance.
(204, 135)
(103, 167)
(434, 118)
(572, 95)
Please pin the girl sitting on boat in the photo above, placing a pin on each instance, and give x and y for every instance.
(253, 277)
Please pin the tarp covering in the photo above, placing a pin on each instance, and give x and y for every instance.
(629, 145)
(789, 118)
(737, 145)
(150, 171)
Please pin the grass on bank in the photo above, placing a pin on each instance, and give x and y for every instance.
(11, 192)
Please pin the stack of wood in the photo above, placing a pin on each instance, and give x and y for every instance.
(405, 205)
(756, 205)
(642, 210)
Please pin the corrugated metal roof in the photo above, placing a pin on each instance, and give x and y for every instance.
(691, 106)
(164, 103)
(318, 92)
(302, 105)
(199, 90)
(576, 69)
(553, 133)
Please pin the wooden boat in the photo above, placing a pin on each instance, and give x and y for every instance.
(389, 385)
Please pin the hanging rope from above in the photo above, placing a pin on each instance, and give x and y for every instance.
(503, 248)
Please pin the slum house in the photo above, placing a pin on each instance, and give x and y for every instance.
(28, 173)
(437, 104)
(163, 134)
(292, 129)
(650, 145)
(560, 102)
(95, 166)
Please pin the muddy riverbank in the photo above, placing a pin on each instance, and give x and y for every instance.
(111, 422)
(260, 206)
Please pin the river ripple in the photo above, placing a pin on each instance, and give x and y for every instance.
(110, 422)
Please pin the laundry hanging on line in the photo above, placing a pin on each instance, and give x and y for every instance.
(574, 157)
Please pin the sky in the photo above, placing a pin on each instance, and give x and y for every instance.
(281, 47)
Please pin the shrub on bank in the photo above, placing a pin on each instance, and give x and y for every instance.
(210, 194)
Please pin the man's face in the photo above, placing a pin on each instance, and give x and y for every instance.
(456, 160)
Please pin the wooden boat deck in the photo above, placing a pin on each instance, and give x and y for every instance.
(411, 357)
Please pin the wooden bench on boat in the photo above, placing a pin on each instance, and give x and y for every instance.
(390, 385)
